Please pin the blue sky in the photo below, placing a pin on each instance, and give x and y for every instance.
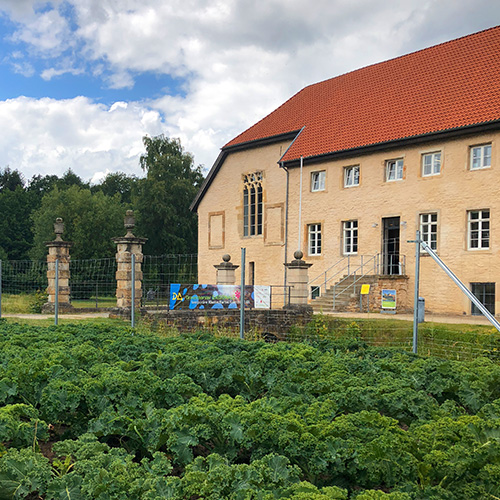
(82, 81)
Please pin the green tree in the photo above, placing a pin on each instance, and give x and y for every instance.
(164, 196)
(16, 205)
(91, 220)
(117, 183)
(10, 180)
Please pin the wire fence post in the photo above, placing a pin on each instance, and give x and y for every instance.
(56, 301)
(132, 308)
(415, 301)
(242, 295)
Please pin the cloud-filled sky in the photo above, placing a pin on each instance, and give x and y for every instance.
(82, 81)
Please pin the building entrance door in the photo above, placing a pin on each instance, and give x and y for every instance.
(390, 245)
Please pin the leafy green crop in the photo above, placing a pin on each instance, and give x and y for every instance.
(92, 412)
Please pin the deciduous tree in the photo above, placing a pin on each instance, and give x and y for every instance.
(163, 198)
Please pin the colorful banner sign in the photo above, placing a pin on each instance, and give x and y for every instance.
(388, 299)
(218, 297)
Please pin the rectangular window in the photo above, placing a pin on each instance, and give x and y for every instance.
(485, 292)
(428, 229)
(314, 239)
(478, 222)
(394, 170)
(480, 157)
(318, 181)
(351, 176)
(252, 204)
(315, 292)
(350, 236)
(431, 163)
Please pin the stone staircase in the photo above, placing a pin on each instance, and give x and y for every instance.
(347, 294)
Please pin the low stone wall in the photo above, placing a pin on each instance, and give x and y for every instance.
(395, 282)
(263, 321)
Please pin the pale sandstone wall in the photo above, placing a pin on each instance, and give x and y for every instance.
(224, 201)
(450, 194)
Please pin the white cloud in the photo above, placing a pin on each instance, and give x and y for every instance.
(50, 136)
(47, 32)
(239, 60)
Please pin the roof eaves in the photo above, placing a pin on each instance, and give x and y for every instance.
(263, 141)
(393, 143)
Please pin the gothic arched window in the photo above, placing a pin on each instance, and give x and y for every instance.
(252, 204)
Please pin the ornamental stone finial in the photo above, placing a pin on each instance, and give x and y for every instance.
(59, 228)
(298, 255)
(129, 223)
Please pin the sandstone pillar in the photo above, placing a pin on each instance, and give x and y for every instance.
(298, 277)
(58, 251)
(226, 274)
(127, 246)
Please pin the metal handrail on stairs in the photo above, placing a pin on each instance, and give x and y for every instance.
(374, 259)
(344, 266)
(390, 262)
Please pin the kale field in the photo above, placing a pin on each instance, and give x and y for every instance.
(103, 412)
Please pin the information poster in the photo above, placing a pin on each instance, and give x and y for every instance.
(218, 297)
(388, 299)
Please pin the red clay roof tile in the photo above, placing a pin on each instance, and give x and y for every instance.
(451, 85)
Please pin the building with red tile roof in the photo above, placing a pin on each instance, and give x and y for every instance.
(395, 141)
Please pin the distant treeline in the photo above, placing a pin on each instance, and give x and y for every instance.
(93, 214)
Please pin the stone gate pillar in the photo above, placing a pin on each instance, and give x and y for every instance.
(58, 251)
(226, 274)
(127, 246)
(298, 277)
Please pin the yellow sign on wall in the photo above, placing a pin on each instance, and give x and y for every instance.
(365, 289)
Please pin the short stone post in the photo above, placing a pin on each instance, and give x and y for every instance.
(226, 271)
(125, 247)
(58, 251)
(298, 277)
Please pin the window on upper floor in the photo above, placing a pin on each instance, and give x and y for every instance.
(431, 163)
(480, 156)
(429, 228)
(314, 239)
(318, 181)
(394, 170)
(351, 176)
(252, 204)
(350, 236)
(478, 229)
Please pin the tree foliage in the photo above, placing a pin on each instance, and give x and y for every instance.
(91, 220)
(94, 214)
(164, 196)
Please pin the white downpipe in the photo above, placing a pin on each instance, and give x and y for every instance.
(300, 205)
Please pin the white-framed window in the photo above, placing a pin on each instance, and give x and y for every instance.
(478, 229)
(318, 180)
(428, 229)
(351, 176)
(252, 204)
(350, 236)
(314, 239)
(480, 157)
(394, 170)
(431, 163)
